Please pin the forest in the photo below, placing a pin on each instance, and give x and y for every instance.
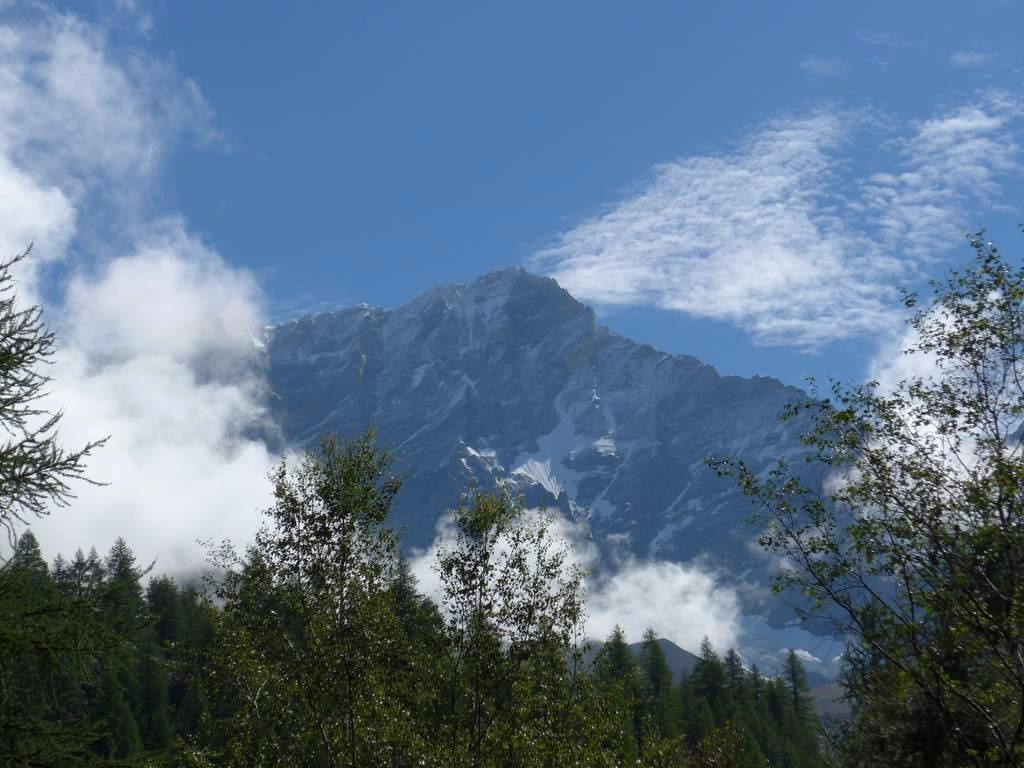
(315, 648)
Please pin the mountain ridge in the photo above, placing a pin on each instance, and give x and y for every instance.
(510, 376)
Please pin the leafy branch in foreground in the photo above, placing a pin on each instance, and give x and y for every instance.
(914, 545)
(35, 470)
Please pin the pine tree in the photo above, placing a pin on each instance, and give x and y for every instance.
(39, 658)
(28, 558)
(121, 737)
(709, 678)
(756, 683)
(164, 605)
(799, 689)
(735, 675)
(123, 587)
(661, 705)
(615, 660)
(154, 685)
(618, 699)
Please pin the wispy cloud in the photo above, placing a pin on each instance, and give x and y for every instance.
(971, 59)
(153, 326)
(779, 237)
(89, 124)
(824, 66)
(951, 166)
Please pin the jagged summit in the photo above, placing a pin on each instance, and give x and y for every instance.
(511, 377)
(481, 306)
(496, 283)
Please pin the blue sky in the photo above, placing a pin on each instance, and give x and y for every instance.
(366, 151)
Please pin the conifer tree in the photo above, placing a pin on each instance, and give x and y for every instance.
(661, 704)
(709, 678)
(734, 673)
(43, 653)
(796, 680)
(619, 697)
(121, 737)
(756, 683)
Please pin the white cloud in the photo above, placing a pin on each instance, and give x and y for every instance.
(153, 327)
(157, 354)
(171, 296)
(680, 601)
(951, 164)
(33, 211)
(890, 364)
(780, 238)
(971, 59)
(94, 124)
(825, 66)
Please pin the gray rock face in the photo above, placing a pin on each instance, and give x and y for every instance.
(510, 377)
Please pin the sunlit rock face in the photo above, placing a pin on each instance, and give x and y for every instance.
(510, 378)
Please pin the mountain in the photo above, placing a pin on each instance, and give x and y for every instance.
(511, 377)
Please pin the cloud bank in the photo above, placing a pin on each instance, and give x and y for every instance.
(781, 237)
(154, 328)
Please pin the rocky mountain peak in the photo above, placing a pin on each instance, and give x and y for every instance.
(510, 377)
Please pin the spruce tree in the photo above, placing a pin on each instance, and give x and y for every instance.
(615, 676)
(661, 704)
(799, 689)
(709, 678)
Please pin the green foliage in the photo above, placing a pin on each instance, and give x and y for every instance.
(661, 702)
(308, 635)
(514, 607)
(49, 642)
(618, 697)
(265, 672)
(917, 552)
